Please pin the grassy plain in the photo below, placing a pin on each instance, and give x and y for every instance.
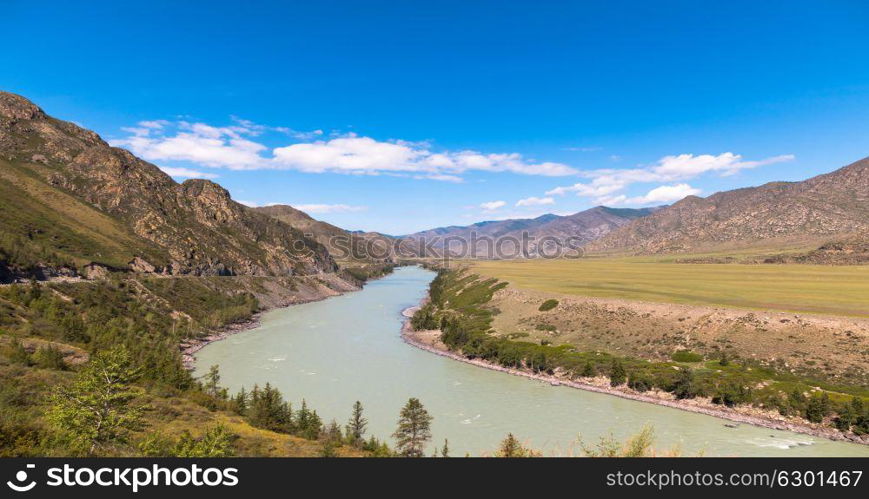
(833, 290)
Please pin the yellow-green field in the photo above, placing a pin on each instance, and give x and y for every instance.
(835, 290)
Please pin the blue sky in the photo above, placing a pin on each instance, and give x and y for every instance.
(401, 116)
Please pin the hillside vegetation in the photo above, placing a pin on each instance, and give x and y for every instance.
(460, 307)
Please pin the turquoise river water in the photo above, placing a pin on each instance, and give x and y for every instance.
(349, 348)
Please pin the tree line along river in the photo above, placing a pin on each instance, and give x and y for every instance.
(349, 348)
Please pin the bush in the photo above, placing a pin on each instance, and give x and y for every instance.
(686, 356)
(548, 305)
(618, 375)
(639, 383)
(49, 357)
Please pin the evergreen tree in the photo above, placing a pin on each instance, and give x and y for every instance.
(307, 423)
(356, 426)
(414, 429)
(817, 408)
(268, 410)
(618, 376)
(239, 402)
(95, 410)
(445, 451)
(511, 447)
(211, 381)
(588, 370)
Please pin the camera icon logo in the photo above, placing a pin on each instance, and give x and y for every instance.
(18, 485)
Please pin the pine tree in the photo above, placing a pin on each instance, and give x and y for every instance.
(445, 451)
(414, 429)
(239, 402)
(511, 447)
(95, 410)
(211, 381)
(356, 425)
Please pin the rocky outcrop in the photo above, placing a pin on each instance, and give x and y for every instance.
(191, 228)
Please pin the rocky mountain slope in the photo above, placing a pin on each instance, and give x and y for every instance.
(71, 203)
(584, 227)
(811, 211)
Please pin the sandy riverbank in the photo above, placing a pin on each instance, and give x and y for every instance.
(430, 342)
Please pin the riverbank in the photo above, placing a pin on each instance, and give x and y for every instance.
(430, 342)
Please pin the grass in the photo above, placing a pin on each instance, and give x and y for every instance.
(833, 290)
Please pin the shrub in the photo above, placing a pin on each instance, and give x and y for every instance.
(548, 305)
(686, 356)
(639, 382)
(49, 357)
(618, 375)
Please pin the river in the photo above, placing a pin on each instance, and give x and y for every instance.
(349, 348)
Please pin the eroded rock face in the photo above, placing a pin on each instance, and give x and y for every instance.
(194, 227)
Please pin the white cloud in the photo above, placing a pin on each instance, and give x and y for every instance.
(607, 183)
(217, 147)
(688, 165)
(186, 173)
(534, 201)
(665, 194)
(442, 177)
(329, 208)
(493, 205)
(233, 147)
(251, 204)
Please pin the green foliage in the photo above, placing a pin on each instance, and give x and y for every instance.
(95, 410)
(639, 382)
(211, 383)
(216, 442)
(49, 357)
(639, 445)
(686, 356)
(618, 375)
(548, 305)
(414, 429)
(685, 386)
(511, 447)
(817, 408)
(356, 426)
(18, 354)
(732, 394)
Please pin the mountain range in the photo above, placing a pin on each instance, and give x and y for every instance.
(810, 212)
(72, 204)
(69, 202)
(583, 227)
